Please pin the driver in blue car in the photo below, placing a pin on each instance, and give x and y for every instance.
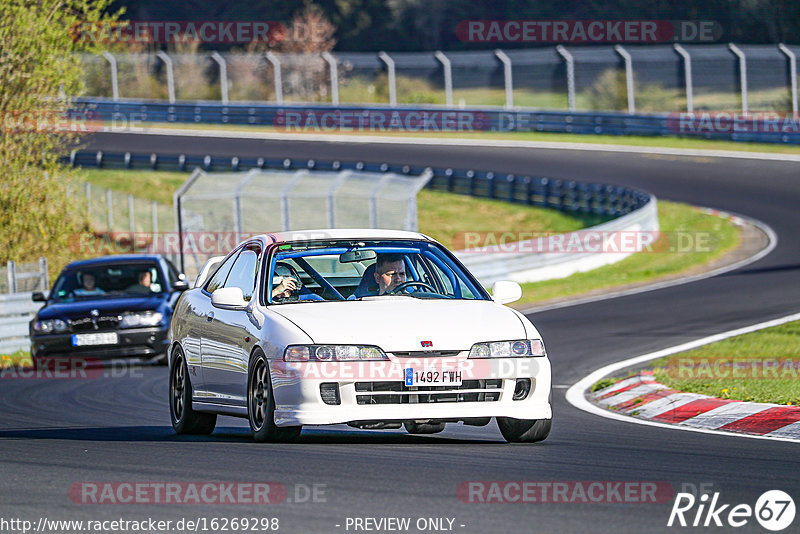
(390, 272)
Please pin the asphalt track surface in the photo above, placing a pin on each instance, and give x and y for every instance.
(55, 433)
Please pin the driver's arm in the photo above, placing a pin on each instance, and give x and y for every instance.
(287, 284)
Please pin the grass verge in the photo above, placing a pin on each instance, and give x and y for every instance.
(21, 358)
(714, 237)
(762, 366)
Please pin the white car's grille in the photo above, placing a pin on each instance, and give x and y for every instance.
(399, 393)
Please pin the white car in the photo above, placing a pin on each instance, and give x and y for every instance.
(372, 328)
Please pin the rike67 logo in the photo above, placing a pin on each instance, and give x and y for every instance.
(774, 510)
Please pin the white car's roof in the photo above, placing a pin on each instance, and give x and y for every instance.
(343, 233)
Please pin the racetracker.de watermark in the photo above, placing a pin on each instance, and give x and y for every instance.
(316, 120)
(720, 368)
(564, 492)
(178, 31)
(207, 492)
(451, 370)
(64, 368)
(588, 31)
(210, 243)
(585, 241)
(727, 122)
(46, 121)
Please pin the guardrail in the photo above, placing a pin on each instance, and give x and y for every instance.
(123, 116)
(16, 311)
(567, 195)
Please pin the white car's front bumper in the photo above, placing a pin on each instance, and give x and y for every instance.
(368, 392)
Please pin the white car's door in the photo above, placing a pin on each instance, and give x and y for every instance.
(224, 357)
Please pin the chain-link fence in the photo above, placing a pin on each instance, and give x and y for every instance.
(663, 78)
(24, 277)
(219, 206)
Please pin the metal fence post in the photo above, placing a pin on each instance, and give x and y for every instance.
(223, 75)
(12, 276)
(276, 67)
(792, 75)
(176, 205)
(628, 77)
(131, 216)
(112, 61)
(742, 73)
(170, 75)
(43, 274)
(507, 73)
(392, 79)
(327, 56)
(448, 77)
(563, 52)
(109, 210)
(687, 75)
(154, 218)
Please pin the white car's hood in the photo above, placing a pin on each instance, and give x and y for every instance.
(402, 323)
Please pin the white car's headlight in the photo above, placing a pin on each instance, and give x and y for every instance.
(523, 348)
(133, 320)
(50, 326)
(332, 353)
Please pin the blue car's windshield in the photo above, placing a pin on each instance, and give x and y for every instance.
(353, 270)
(108, 281)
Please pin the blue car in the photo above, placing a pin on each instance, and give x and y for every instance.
(109, 307)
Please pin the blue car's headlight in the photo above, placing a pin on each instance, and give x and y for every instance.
(332, 353)
(134, 320)
(50, 326)
(523, 348)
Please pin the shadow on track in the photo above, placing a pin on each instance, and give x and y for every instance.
(230, 435)
(760, 270)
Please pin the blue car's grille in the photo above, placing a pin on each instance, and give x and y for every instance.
(84, 324)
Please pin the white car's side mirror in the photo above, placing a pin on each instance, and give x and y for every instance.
(505, 291)
(228, 297)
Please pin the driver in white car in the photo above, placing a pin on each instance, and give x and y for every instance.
(390, 272)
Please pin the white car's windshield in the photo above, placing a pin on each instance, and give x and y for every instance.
(354, 270)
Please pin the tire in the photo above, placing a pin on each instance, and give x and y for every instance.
(423, 428)
(184, 419)
(524, 430)
(261, 404)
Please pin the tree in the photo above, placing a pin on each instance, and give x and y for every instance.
(39, 67)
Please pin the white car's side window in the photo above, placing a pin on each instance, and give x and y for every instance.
(243, 272)
(218, 280)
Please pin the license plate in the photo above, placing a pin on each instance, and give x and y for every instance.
(103, 338)
(432, 377)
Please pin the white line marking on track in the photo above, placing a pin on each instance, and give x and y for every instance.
(576, 393)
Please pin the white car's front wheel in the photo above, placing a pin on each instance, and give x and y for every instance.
(524, 430)
(261, 404)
